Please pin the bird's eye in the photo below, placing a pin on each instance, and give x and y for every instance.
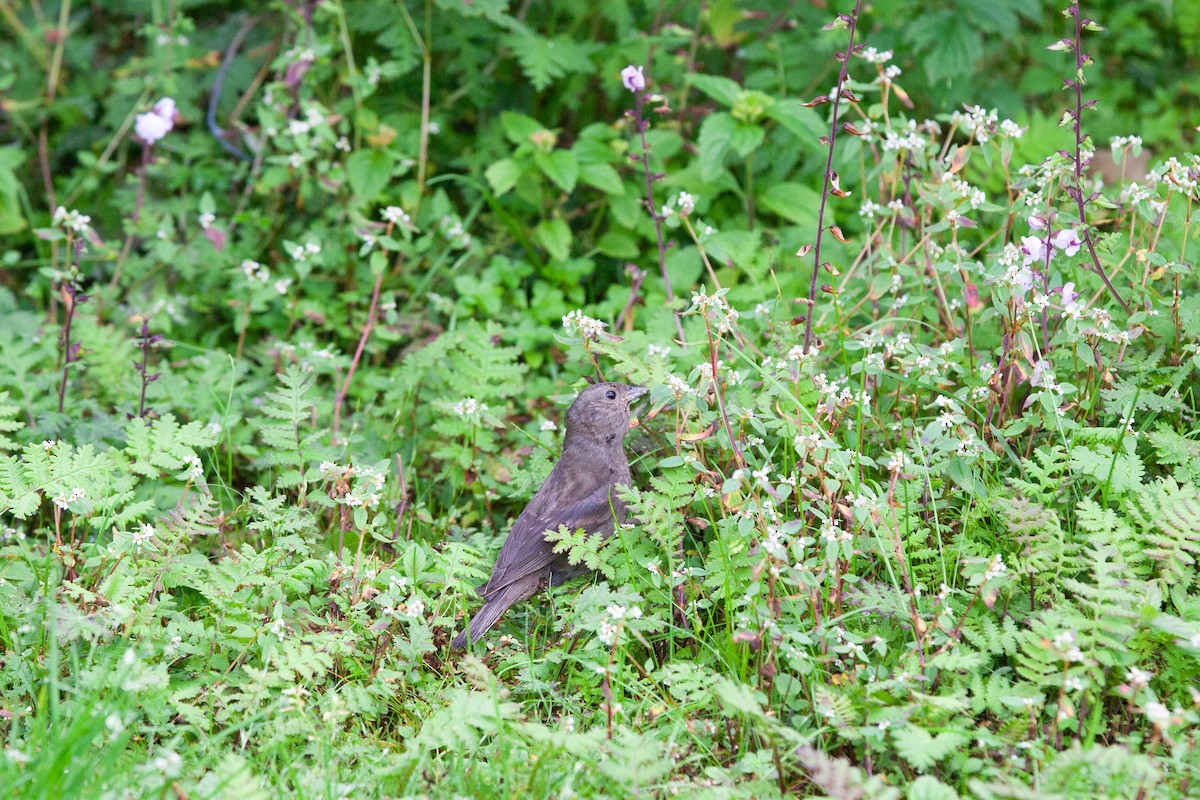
(610, 394)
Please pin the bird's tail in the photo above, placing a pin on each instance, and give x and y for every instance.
(496, 605)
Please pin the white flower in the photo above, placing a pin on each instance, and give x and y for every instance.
(584, 326)
(396, 215)
(169, 763)
(142, 536)
(1137, 677)
(71, 219)
(1157, 713)
(165, 108)
(282, 285)
(206, 219)
(633, 79)
(687, 203)
(156, 123)
(469, 407)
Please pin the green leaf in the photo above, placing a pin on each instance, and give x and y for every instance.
(618, 245)
(803, 122)
(721, 89)
(794, 202)
(11, 218)
(603, 177)
(503, 175)
(921, 750)
(519, 127)
(542, 60)
(927, 787)
(715, 134)
(559, 166)
(369, 171)
(951, 46)
(555, 236)
(746, 138)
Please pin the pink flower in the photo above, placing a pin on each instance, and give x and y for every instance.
(633, 79)
(1069, 295)
(150, 127)
(1068, 241)
(156, 123)
(1033, 248)
(165, 108)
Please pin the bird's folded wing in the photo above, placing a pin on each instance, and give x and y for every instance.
(526, 551)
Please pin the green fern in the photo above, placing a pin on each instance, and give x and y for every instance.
(292, 445)
(7, 425)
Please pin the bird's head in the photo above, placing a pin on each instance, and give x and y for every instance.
(601, 412)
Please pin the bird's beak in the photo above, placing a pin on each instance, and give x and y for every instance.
(636, 391)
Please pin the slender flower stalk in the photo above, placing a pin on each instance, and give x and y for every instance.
(635, 81)
(828, 185)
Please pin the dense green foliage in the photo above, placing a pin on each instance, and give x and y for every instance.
(916, 489)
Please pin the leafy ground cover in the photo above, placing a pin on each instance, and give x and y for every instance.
(294, 304)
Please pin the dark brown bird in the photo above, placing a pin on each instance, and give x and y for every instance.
(579, 493)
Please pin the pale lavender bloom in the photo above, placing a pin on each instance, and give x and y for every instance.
(1067, 240)
(633, 79)
(156, 123)
(150, 127)
(165, 108)
(1033, 248)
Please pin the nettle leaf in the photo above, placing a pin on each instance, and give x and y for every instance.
(519, 128)
(794, 202)
(746, 138)
(951, 45)
(805, 123)
(716, 132)
(555, 236)
(721, 89)
(603, 177)
(369, 172)
(559, 166)
(503, 175)
(542, 60)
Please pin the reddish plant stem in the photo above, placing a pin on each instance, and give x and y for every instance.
(852, 20)
(640, 97)
(1077, 190)
(368, 326)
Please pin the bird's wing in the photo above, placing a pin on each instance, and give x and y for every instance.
(526, 550)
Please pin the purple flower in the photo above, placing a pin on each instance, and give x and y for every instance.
(1067, 240)
(633, 79)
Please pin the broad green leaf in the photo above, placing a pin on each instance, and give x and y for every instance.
(503, 175)
(603, 177)
(519, 127)
(721, 89)
(369, 171)
(715, 134)
(559, 166)
(746, 138)
(618, 245)
(805, 123)
(794, 202)
(555, 236)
